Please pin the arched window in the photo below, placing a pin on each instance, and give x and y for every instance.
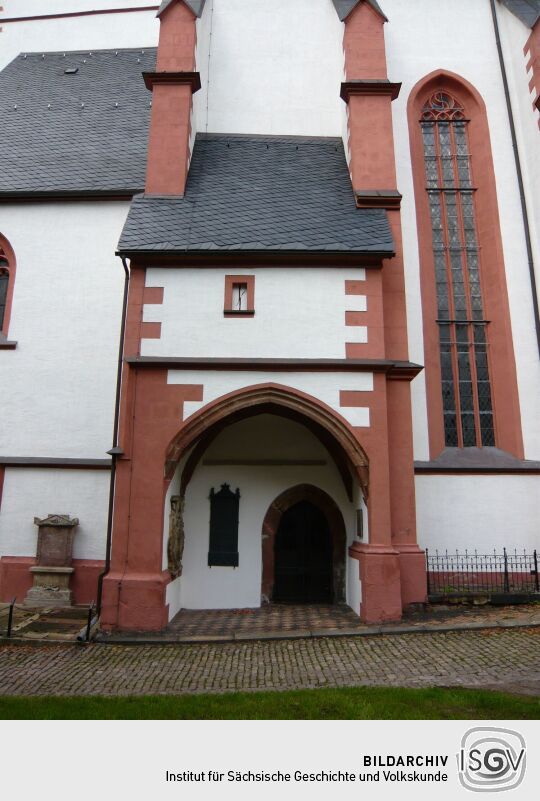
(7, 280)
(4, 281)
(4, 287)
(470, 372)
(463, 329)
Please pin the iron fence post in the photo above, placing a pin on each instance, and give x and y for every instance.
(536, 571)
(427, 573)
(506, 581)
(89, 621)
(10, 617)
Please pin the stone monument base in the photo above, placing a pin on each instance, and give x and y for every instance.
(51, 587)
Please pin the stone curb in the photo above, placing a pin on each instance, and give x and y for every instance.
(372, 631)
(298, 634)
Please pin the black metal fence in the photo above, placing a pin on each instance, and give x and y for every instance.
(7, 620)
(480, 574)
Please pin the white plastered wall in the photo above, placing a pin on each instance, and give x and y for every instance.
(34, 492)
(96, 32)
(275, 68)
(205, 40)
(263, 438)
(66, 313)
(457, 35)
(514, 36)
(299, 313)
(324, 386)
(482, 513)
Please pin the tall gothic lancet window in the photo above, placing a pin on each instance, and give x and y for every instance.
(463, 329)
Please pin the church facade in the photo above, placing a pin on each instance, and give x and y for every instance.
(268, 295)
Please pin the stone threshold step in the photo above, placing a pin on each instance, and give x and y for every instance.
(301, 634)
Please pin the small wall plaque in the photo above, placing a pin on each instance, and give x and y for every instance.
(360, 524)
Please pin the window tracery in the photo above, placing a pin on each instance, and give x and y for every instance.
(463, 329)
(4, 285)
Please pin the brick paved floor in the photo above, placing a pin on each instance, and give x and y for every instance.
(274, 618)
(266, 619)
(505, 659)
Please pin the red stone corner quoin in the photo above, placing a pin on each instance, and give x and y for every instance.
(134, 589)
(392, 566)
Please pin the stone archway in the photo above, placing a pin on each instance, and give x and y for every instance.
(287, 499)
(332, 430)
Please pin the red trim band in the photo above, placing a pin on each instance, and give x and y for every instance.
(369, 87)
(191, 78)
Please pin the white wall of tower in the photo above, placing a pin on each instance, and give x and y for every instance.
(61, 378)
(96, 32)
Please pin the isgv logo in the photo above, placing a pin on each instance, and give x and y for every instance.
(491, 760)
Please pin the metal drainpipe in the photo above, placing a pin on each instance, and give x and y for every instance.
(524, 211)
(115, 451)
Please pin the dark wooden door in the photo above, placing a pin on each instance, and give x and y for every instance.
(303, 556)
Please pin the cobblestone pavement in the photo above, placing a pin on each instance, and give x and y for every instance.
(504, 659)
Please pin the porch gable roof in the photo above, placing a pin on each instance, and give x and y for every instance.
(259, 194)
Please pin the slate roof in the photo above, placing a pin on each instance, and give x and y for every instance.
(70, 147)
(197, 6)
(257, 193)
(344, 7)
(528, 11)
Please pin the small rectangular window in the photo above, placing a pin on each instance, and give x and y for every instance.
(360, 524)
(239, 295)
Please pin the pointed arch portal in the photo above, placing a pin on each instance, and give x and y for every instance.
(332, 430)
(291, 500)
